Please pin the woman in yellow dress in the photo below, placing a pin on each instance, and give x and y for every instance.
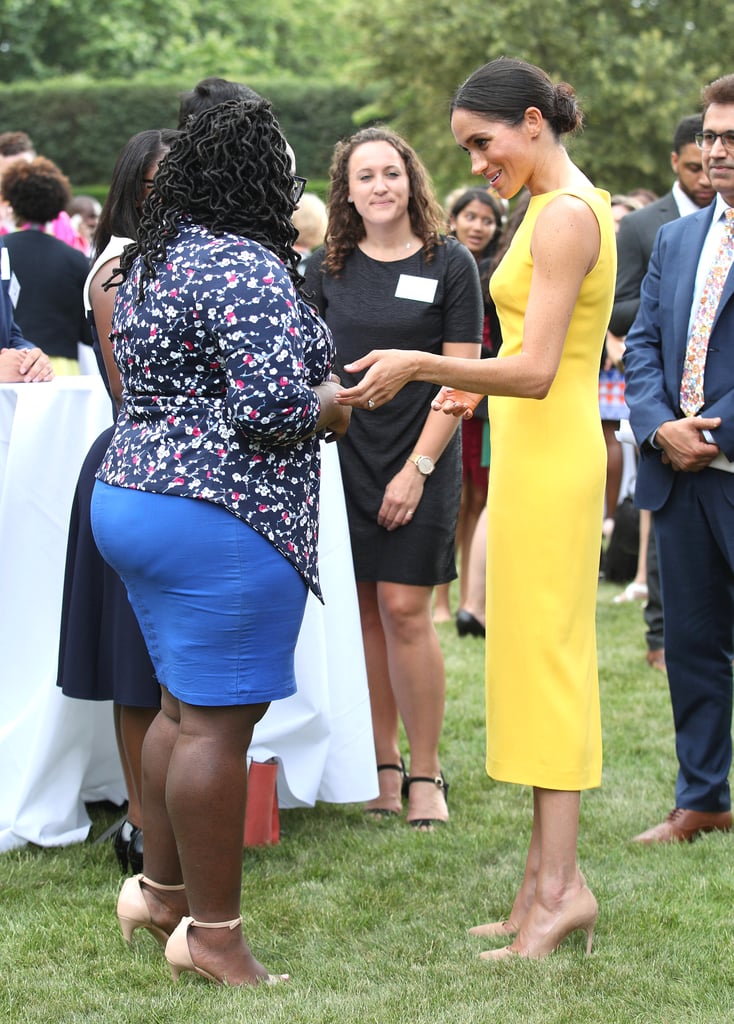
(553, 292)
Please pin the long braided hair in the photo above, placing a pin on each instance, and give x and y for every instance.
(228, 171)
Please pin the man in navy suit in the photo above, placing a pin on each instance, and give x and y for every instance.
(691, 191)
(686, 477)
(19, 359)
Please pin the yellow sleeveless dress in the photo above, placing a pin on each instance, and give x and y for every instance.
(545, 506)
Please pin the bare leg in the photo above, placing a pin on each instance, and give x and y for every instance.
(558, 881)
(473, 505)
(614, 466)
(645, 523)
(382, 701)
(205, 795)
(124, 764)
(418, 682)
(441, 603)
(133, 725)
(475, 574)
(637, 590)
(161, 854)
(525, 894)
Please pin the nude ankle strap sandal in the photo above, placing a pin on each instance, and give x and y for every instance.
(132, 910)
(179, 958)
(160, 885)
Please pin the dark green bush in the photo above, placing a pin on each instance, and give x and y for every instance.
(82, 125)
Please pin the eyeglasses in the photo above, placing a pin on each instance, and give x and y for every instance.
(299, 187)
(706, 140)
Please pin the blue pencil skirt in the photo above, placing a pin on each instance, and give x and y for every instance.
(220, 608)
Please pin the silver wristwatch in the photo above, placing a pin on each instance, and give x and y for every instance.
(423, 463)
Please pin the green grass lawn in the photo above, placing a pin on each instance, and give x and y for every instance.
(370, 918)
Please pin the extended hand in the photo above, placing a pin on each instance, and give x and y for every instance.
(388, 370)
(456, 403)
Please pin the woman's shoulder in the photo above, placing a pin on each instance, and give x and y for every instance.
(572, 196)
(453, 251)
(559, 209)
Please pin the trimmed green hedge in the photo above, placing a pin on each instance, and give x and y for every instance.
(83, 125)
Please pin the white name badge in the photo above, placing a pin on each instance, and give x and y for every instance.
(420, 289)
(4, 264)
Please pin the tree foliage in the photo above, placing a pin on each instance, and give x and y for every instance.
(160, 38)
(637, 65)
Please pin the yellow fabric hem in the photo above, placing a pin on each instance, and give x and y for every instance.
(543, 776)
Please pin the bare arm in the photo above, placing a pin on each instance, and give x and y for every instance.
(404, 492)
(564, 247)
(102, 305)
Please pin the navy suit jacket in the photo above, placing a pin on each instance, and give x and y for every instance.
(656, 346)
(635, 240)
(11, 335)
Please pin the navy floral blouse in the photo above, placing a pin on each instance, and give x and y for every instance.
(218, 367)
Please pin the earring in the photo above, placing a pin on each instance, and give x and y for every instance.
(349, 199)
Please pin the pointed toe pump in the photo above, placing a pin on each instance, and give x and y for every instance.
(579, 915)
(495, 930)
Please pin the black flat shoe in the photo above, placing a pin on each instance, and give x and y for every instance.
(135, 851)
(426, 824)
(121, 844)
(467, 625)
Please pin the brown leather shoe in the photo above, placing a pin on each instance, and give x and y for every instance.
(683, 826)
(656, 659)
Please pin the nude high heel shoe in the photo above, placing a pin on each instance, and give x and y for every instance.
(495, 930)
(580, 914)
(179, 958)
(132, 910)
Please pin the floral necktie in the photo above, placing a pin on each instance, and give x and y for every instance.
(691, 385)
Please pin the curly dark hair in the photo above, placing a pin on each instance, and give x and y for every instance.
(37, 190)
(346, 227)
(228, 171)
(210, 92)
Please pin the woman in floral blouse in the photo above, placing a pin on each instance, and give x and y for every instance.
(206, 504)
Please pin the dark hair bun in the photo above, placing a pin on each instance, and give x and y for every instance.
(569, 117)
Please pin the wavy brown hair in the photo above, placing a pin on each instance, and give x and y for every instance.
(346, 227)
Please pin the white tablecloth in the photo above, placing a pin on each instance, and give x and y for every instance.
(57, 753)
